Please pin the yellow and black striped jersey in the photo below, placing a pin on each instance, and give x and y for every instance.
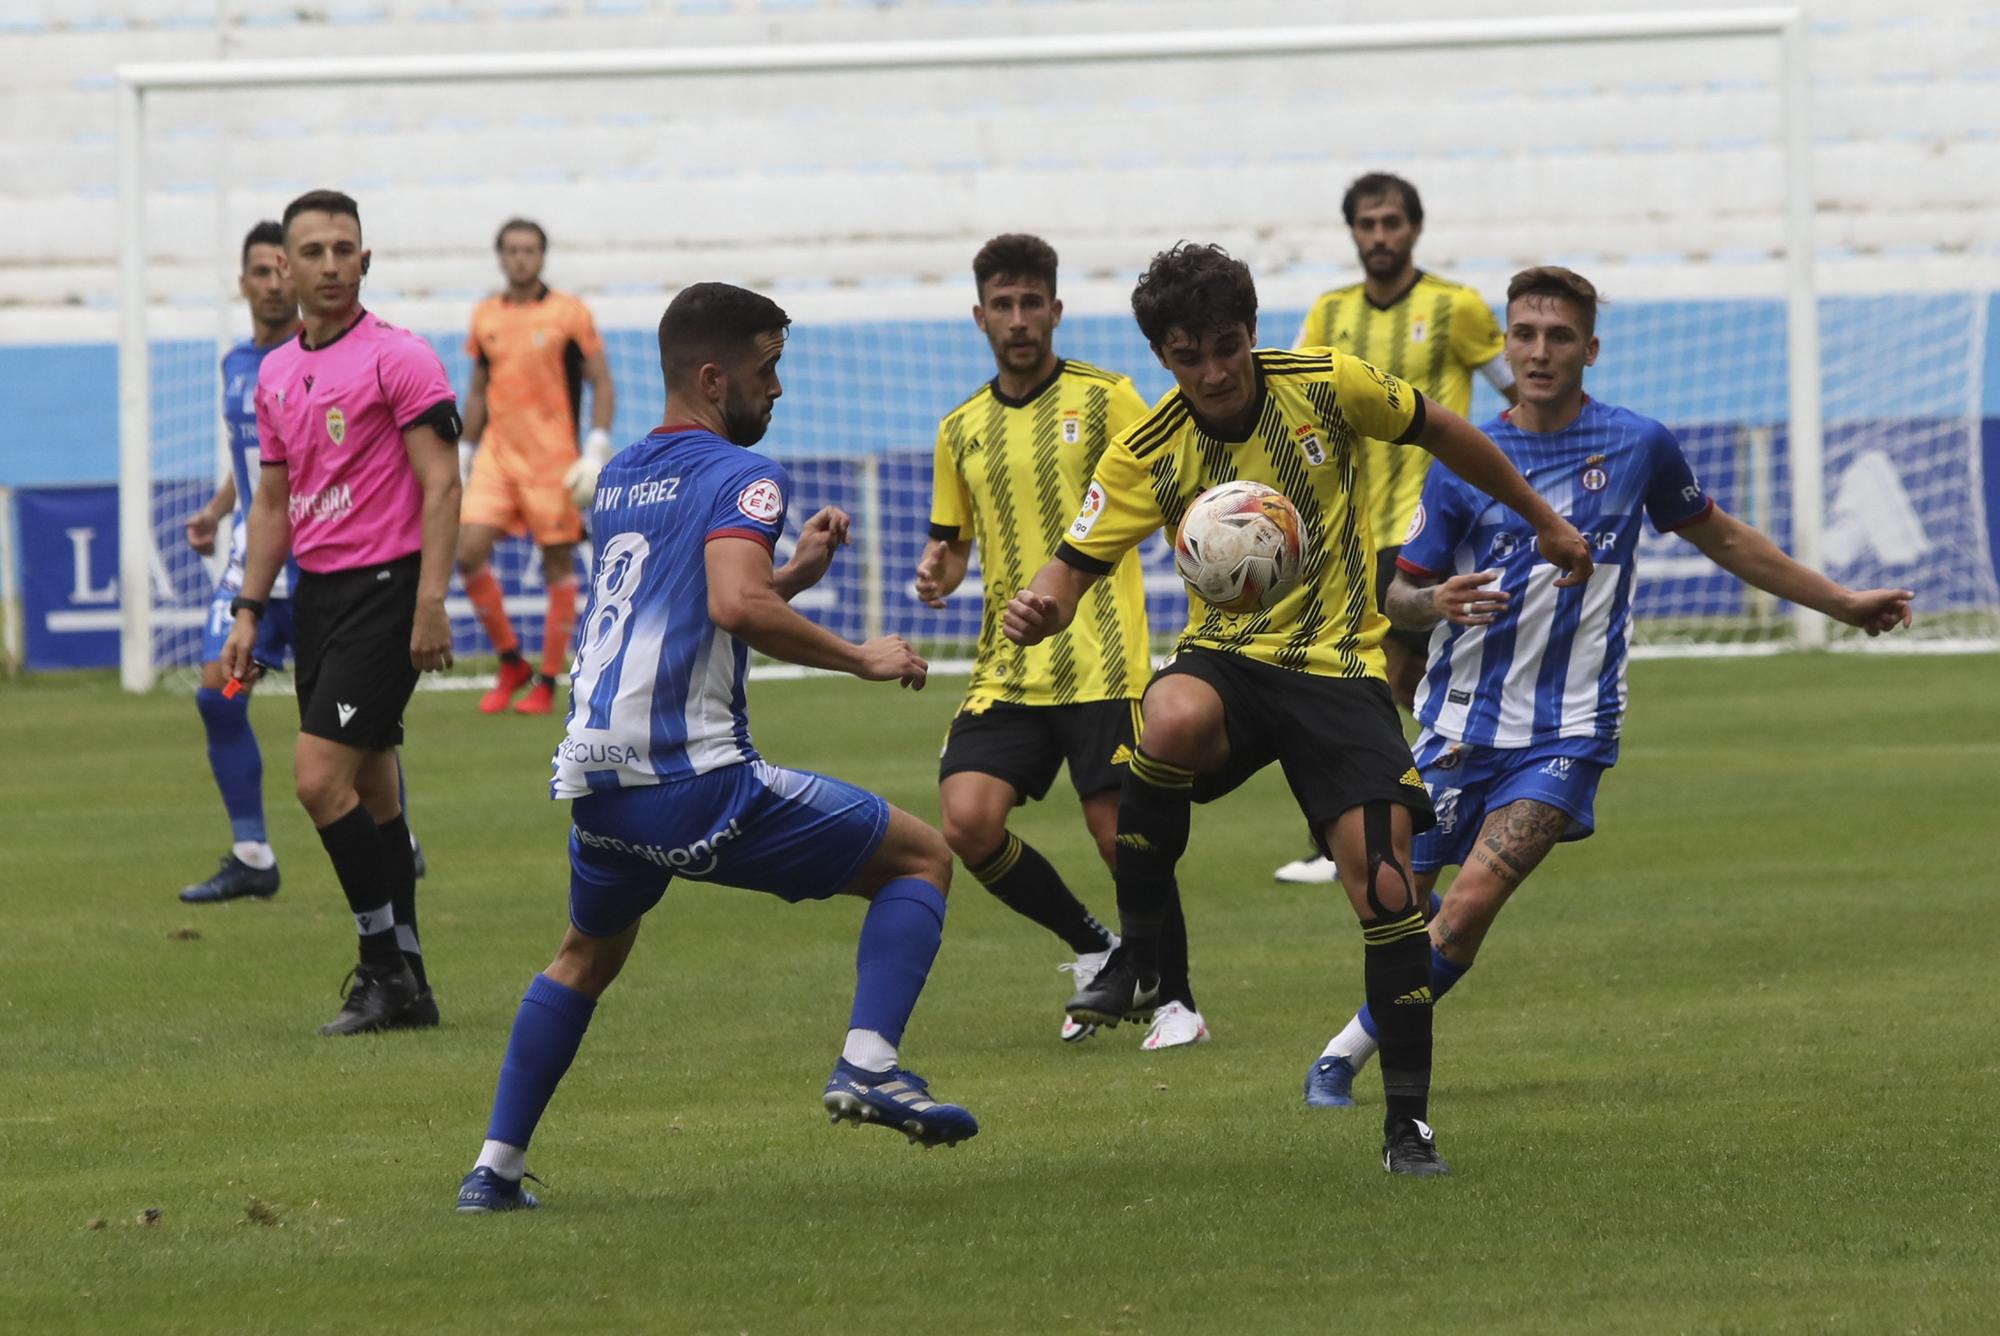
(1010, 474)
(1315, 406)
(1434, 336)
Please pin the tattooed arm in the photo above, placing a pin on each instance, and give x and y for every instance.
(1417, 603)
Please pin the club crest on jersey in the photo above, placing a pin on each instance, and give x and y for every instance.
(1417, 518)
(762, 500)
(1503, 545)
(336, 425)
(1308, 440)
(1420, 329)
(1086, 516)
(1594, 479)
(1072, 427)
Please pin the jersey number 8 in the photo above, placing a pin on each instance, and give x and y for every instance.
(604, 634)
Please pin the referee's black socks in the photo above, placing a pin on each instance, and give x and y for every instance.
(1153, 812)
(1027, 883)
(355, 846)
(399, 863)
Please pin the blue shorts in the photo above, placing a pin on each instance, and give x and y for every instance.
(1467, 784)
(274, 630)
(790, 833)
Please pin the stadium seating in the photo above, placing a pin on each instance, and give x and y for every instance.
(642, 192)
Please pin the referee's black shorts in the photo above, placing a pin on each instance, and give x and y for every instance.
(1338, 739)
(351, 652)
(1026, 744)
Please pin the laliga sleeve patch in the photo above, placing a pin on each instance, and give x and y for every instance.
(763, 500)
(1086, 517)
(1417, 518)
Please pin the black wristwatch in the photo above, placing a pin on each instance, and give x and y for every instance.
(253, 606)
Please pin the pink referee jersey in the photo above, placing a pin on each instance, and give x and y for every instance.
(334, 416)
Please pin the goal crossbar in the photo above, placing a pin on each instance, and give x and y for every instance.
(136, 81)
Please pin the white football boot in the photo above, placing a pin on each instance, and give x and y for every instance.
(1175, 1026)
(1308, 871)
(1085, 968)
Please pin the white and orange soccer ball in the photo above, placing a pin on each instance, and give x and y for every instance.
(1240, 548)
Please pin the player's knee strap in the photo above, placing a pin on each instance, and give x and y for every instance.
(1377, 835)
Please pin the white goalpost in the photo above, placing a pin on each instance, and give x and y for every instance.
(854, 181)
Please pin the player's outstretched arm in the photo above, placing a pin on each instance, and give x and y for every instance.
(1048, 604)
(941, 570)
(204, 524)
(1418, 604)
(821, 536)
(744, 601)
(1466, 451)
(1754, 559)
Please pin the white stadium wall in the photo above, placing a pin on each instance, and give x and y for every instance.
(857, 201)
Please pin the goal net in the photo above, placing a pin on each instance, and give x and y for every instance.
(853, 184)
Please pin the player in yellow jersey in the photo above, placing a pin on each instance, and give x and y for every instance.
(1300, 684)
(532, 348)
(1011, 467)
(1420, 328)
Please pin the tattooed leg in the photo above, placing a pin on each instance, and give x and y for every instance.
(1511, 844)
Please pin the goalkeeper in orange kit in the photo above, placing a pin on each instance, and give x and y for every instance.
(532, 350)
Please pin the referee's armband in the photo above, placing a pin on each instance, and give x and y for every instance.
(442, 418)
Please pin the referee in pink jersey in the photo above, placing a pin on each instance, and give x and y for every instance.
(358, 435)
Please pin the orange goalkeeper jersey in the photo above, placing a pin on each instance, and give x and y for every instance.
(533, 353)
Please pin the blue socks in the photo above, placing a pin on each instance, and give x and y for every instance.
(899, 940)
(238, 765)
(547, 1030)
(1444, 974)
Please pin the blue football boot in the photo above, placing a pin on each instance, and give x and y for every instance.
(484, 1191)
(895, 1098)
(232, 881)
(1330, 1084)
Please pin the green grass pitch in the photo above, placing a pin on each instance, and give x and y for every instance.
(1730, 1066)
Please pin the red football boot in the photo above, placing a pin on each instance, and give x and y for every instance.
(541, 699)
(514, 674)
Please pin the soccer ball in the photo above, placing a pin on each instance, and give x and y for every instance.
(1239, 547)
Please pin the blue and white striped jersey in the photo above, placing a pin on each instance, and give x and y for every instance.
(1553, 665)
(239, 428)
(657, 691)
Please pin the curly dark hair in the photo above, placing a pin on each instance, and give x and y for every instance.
(1376, 184)
(1194, 288)
(709, 320)
(1015, 255)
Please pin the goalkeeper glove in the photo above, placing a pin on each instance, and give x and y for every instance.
(581, 477)
(466, 450)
